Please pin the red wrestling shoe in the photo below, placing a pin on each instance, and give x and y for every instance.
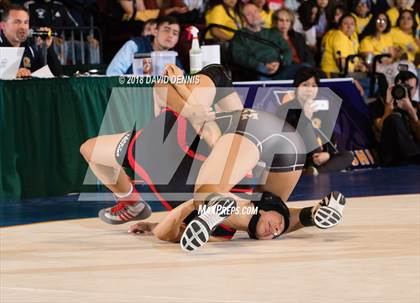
(128, 208)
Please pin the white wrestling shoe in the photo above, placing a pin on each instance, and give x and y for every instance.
(329, 211)
(199, 230)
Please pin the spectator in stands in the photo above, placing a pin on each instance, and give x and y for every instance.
(326, 157)
(308, 13)
(283, 20)
(361, 13)
(15, 24)
(379, 6)
(226, 13)
(3, 5)
(341, 44)
(376, 39)
(293, 5)
(403, 36)
(149, 28)
(325, 8)
(259, 57)
(143, 10)
(166, 37)
(338, 12)
(399, 5)
(265, 12)
(396, 122)
(54, 14)
(49, 13)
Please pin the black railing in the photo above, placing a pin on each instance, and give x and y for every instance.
(76, 38)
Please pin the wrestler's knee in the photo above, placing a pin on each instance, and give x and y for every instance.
(86, 149)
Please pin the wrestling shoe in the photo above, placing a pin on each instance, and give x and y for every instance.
(329, 211)
(199, 230)
(125, 211)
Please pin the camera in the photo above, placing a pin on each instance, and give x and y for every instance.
(400, 91)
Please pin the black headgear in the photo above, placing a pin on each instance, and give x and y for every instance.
(268, 202)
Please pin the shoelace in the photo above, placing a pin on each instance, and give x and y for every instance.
(212, 217)
(120, 206)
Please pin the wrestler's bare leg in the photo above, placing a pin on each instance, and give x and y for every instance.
(99, 152)
(232, 157)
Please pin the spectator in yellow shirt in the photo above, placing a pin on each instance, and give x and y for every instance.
(399, 5)
(265, 12)
(403, 36)
(338, 12)
(225, 12)
(375, 38)
(340, 45)
(361, 15)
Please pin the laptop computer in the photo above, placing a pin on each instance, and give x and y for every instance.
(10, 58)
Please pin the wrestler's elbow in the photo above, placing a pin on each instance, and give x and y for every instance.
(166, 236)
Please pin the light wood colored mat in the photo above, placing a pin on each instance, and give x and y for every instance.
(373, 256)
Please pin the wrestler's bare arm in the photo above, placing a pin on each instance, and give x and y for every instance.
(171, 227)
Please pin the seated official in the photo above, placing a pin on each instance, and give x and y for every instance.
(15, 25)
(165, 38)
(396, 122)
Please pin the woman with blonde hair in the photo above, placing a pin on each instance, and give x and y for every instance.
(283, 20)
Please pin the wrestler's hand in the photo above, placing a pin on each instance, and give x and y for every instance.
(173, 71)
(197, 114)
(142, 228)
(23, 73)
